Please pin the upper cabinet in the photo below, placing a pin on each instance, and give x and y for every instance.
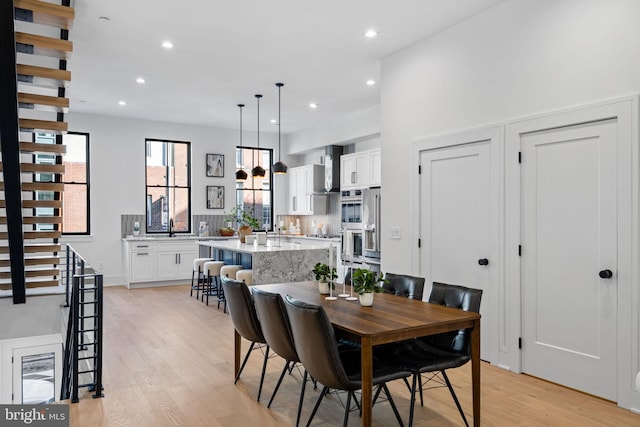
(304, 182)
(360, 170)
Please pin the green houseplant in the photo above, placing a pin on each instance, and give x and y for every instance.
(365, 283)
(245, 220)
(324, 275)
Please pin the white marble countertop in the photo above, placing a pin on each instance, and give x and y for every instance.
(176, 237)
(235, 245)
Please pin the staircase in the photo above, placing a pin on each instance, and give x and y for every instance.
(35, 40)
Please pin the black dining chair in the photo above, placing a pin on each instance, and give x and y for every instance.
(245, 321)
(317, 348)
(277, 332)
(404, 285)
(438, 353)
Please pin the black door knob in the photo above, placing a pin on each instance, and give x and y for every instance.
(483, 261)
(606, 274)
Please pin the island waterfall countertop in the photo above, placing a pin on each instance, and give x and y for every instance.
(273, 263)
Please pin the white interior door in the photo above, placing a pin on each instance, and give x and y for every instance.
(569, 238)
(456, 225)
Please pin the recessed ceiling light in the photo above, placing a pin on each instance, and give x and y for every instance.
(313, 105)
(371, 33)
(371, 82)
(167, 44)
(104, 18)
(122, 103)
(140, 80)
(274, 121)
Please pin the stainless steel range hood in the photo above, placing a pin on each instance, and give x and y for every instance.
(332, 168)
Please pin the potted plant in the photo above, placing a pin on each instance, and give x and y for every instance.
(365, 283)
(324, 276)
(245, 220)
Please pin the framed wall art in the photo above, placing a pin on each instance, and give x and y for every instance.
(215, 197)
(215, 165)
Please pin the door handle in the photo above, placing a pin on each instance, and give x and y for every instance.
(606, 274)
(483, 261)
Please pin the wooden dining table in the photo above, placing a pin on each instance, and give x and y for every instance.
(390, 319)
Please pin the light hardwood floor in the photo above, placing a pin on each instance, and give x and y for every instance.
(168, 361)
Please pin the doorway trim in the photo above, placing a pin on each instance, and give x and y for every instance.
(494, 134)
(625, 112)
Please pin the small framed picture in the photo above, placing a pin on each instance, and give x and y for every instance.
(215, 165)
(215, 197)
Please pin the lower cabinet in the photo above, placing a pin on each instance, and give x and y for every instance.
(159, 261)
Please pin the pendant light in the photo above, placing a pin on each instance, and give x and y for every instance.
(241, 175)
(279, 167)
(258, 170)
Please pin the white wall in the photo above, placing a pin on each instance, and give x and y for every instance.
(117, 149)
(518, 58)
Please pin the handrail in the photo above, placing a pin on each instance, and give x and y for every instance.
(84, 297)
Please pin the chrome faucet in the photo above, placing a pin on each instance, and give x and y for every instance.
(171, 232)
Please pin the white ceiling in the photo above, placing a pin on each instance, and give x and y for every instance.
(227, 51)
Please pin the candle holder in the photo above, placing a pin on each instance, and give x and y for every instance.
(331, 297)
(351, 297)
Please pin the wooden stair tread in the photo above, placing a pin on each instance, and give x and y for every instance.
(45, 13)
(39, 167)
(30, 125)
(33, 248)
(34, 147)
(42, 76)
(45, 234)
(29, 204)
(33, 273)
(40, 45)
(42, 260)
(33, 284)
(43, 102)
(36, 220)
(39, 186)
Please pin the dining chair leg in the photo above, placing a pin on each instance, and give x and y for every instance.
(244, 362)
(406, 381)
(455, 398)
(412, 400)
(323, 393)
(275, 390)
(347, 407)
(392, 403)
(420, 383)
(304, 384)
(264, 369)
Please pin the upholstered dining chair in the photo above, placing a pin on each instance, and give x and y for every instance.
(245, 321)
(438, 353)
(404, 285)
(277, 332)
(317, 348)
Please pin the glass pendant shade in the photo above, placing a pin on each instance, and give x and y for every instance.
(241, 175)
(258, 171)
(279, 167)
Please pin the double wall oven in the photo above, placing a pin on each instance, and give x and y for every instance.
(360, 235)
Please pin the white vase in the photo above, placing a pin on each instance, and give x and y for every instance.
(366, 299)
(323, 287)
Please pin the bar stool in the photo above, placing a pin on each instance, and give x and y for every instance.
(245, 276)
(230, 272)
(198, 264)
(211, 271)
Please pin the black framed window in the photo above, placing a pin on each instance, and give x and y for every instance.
(255, 194)
(76, 196)
(168, 186)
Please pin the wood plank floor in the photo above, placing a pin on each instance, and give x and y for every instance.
(168, 361)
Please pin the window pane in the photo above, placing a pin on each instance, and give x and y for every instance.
(74, 218)
(167, 164)
(75, 159)
(164, 204)
(38, 379)
(254, 194)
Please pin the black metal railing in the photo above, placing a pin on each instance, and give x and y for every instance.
(83, 346)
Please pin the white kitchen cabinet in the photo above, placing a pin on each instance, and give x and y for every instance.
(175, 260)
(304, 181)
(152, 262)
(375, 168)
(142, 262)
(355, 171)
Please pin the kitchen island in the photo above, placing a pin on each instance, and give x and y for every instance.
(271, 263)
